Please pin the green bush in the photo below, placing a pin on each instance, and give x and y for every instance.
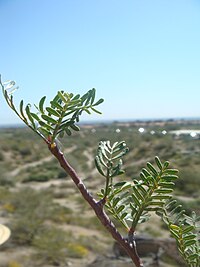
(51, 245)
(1, 156)
(189, 182)
(25, 151)
(5, 181)
(61, 174)
(40, 177)
(14, 264)
(31, 210)
(76, 250)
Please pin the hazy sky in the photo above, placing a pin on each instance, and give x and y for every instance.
(142, 56)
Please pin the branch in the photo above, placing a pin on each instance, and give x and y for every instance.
(129, 247)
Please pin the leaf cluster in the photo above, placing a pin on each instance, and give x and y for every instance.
(132, 202)
(57, 119)
(109, 158)
(185, 229)
(117, 201)
(152, 190)
(109, 162)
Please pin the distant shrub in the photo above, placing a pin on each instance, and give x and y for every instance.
(40, 177)
(51, 244)
(31, 209)
(91, 243)
(76, 251)
(5, 181)
(25, 151)
(61, 214)
(189, 206)
(4, 147)
(9, 207)
(62, 174)
(189, 182)
(1, 156)
(14, 264)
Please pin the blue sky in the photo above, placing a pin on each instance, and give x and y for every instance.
(143, 57)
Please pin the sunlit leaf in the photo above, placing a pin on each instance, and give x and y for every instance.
(75, 127)
(101, 100)
(96, 111)
(29, 115)
(48, 119)
(68, 132)
(41, 104)
(151, 168)
(53, 112)
(158, 162)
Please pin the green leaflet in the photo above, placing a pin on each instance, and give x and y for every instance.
(68, 132)
(164, 191)
(46, 126)
(115, 201)
(146, 173)
(138, 194)
(55, 104)
(93, 93)
(99, 166)
(169, 177)
(167, 184)
(171, 171)
(63, 97)
(21, 111)
(166, 165)
(44, 131)
(52, 111)
(35, 116)
(189, 237)
(95, 110)
(120, 209)
(76, 97)
(134, 210)
(193, 257)
(75, 127)
(136, 201)
(29, 116)
(41, 104)
(116, 206)
(49, 119)
(158, 162)
(87, 111)
(101, 100)
(188, 229)
(155, 203)
(123, 215)
(151, 168)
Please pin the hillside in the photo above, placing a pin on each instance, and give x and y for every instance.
(50, 223)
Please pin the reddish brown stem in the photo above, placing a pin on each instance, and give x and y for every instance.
(129, 247)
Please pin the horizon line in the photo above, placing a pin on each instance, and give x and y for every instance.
(101, 121)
